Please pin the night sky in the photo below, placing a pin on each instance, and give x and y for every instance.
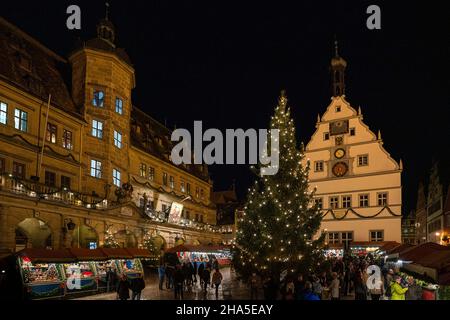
(225, 63)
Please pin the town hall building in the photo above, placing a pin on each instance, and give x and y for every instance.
(358, 184)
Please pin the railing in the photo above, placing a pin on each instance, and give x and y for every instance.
(41, 191)
(161, 216)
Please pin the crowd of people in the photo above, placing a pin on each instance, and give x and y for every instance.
(342, 278)
(188, 274)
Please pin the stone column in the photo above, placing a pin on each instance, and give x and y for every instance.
(7, 233)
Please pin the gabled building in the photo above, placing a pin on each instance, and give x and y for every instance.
(357, 182)
(85, 167)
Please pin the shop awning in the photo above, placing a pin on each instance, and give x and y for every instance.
(42, 255)
(139, 253)
(116, 253)
(84, 254)
(197, 248)
(419, 252)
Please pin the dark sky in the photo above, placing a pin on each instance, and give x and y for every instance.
(225, 62)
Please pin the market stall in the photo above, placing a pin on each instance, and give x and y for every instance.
(42, 273)
(125, 262)
(202, 253)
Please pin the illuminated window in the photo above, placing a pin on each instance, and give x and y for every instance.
(3, 113)
(67, 139)
(382, 199)
(165, 178)
(96, 169)
(318, 166)
(116, 177)
(50, 135)
(182, 187)
(188, 188)
(99, 98)
(197, 192)
(119, 105)
(142, 169)
(20, 120)
(151, 173)
(97, 129)
(117, 139)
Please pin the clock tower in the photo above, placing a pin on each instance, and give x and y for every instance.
(358, 184)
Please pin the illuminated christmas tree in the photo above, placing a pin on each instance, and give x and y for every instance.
(110, 240)
(275, 233)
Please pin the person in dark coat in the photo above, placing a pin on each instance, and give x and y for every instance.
(137, 285)
(200, 269)
(206, 277)
(111, 279)
(195, 266)
(123, 287)
(169, 277)
(178, 282)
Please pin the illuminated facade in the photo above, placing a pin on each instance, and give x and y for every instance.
(358, 183)
(91, 164)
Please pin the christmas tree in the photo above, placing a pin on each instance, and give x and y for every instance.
(110, 240)
(275, 233)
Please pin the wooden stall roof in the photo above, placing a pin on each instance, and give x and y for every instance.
(42, 255)
(84, 254)
(139, 253)
(196, 248)
(418, 252)
(116, 253)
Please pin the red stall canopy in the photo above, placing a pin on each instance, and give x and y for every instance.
(42, 255)
(84, 254)
(196, 248)
(139, 253)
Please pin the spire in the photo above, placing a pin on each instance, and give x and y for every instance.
(105, 28)
(338, 65)
(318, 117)
(379, 134)
(106, 10)
(359, 110)
(401, 164)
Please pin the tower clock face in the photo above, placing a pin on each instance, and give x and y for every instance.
(340, 169)
(339, 153)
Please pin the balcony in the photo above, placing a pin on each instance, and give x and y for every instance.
(40, 191)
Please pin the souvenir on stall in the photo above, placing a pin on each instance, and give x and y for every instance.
(131, 267)
(41, 280)
(81, 276)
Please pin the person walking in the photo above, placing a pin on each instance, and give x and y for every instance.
(161, 274)
(377, 289)
(137, 285)
(217, 280)
(414, 290)
(299, 287)
(169, 276)
(360, 287)
(254, 286)
(397, 291)
(111, 279)
(206, 277)
(334, 286)
(309, 295)
(178, 282)
(201, 267)
(123, 292)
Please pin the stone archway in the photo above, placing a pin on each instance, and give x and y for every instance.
(126, 239)
(33, 233)
(84, 236)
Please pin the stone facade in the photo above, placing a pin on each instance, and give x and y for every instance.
(52, 194)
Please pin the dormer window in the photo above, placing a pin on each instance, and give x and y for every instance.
(338, 109)
(99, 97)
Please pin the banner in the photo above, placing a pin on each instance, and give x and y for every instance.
(175, 213)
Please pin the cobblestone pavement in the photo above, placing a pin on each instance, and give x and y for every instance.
(231, 289)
